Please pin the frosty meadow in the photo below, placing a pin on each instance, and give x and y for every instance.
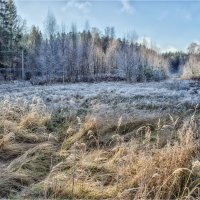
(90, 113)
(100, 140)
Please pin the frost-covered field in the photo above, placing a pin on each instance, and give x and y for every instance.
(100, 141)
(119, 97)
(113, 98)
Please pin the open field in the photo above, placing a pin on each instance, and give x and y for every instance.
(100, 141)
(163, 95)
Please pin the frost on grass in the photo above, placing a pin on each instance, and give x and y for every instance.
(77, 96)
(100, 141)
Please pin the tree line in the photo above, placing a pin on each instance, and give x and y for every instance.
(88, 55)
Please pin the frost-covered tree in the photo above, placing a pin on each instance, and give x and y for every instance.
(51, 44)
(84, 51)
(193, 48)
(88, 55)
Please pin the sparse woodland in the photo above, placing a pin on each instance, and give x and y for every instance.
(82, 56)
(89, 55)
(135, 137)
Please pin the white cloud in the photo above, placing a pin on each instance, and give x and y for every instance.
(126, 7)
(80, 5)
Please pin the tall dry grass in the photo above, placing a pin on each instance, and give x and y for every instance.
(25, 150)
(91, 159)
(138, 169)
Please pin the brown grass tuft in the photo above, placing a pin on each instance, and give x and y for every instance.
(33, 121)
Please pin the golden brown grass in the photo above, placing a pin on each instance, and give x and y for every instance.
(93, 159)
(150, 172)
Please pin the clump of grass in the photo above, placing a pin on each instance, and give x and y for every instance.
(85, 128)
(33, 165)
(36, 117)
(21, 112)
(12, 183)
(6, 139)
(33, 120)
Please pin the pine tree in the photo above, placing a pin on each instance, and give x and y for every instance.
(3, 32)
(11, 22)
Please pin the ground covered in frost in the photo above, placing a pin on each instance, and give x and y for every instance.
(120, 97)
(109, 140)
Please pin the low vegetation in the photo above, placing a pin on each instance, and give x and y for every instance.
(58, 154)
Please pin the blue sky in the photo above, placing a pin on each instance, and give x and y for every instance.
(171, 24)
